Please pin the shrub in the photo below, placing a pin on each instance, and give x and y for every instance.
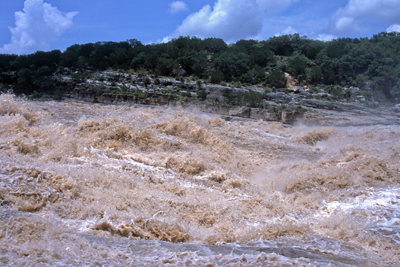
(147, 81)
(300, 109)
(186, 94)
(336, 91)
(141, 72)
(58, 92)
(230, 96)
(252, 98)
(266, 106)
(297, 64)
(78, 77)
(366, 94)
(395, 92)
(360, 81)
(202, 95)
(245, 78)
(314, 90)
(313, 74)
(277, 78)
(141, 95)
(237, 85)
(157, 81)
(216, 76)
(184, 99)
(204, 75)
(268, 90)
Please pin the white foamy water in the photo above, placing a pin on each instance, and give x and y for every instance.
(84, 185)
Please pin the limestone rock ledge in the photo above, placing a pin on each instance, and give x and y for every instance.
(284, 116)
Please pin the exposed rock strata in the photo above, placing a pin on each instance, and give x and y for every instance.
(284, 116)
(218, 99)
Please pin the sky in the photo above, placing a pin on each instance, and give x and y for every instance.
(27, 26)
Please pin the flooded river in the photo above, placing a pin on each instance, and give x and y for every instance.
(91, 185)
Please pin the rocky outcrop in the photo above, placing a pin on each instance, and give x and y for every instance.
(396, 108)
(120, 88)
(156, 99)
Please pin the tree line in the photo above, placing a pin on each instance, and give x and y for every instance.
(358, 62)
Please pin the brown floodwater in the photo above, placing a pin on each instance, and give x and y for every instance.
(84, 184)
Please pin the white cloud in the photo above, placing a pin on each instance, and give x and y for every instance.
(288, 30)
(177, 6)
(36, 26)
(384, 10)
(350, 18)
(229, 19)
(325, 37)
(393, 28)
(346, 25)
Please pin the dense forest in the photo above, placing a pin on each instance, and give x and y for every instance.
(359, 62)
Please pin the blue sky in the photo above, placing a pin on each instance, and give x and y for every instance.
(30, 25)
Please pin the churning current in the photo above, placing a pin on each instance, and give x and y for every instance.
(90, 185)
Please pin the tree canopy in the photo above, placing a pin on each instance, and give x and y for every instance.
(342, 61)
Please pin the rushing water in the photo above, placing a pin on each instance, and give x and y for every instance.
(95, 185)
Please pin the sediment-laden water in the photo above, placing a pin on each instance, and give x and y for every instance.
(91, 185)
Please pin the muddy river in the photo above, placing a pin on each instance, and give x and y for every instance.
(90, 185)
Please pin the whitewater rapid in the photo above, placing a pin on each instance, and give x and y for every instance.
(84, 184)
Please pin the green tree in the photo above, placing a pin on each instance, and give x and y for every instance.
(5, 61)
(297, 64)
(277, 78)
(395, 92)
(25, 82)
(256, 74)
(165, 66)
(216, 76)
(232, 65)
(214, 45)
(360, 81)
(313, 74)
(201, 63)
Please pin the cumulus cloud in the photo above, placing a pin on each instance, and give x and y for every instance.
(36, 26)
(349, 18)
(393, 28)
(384, 10)
(346, 25)
(177, 6)
(229, 19)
